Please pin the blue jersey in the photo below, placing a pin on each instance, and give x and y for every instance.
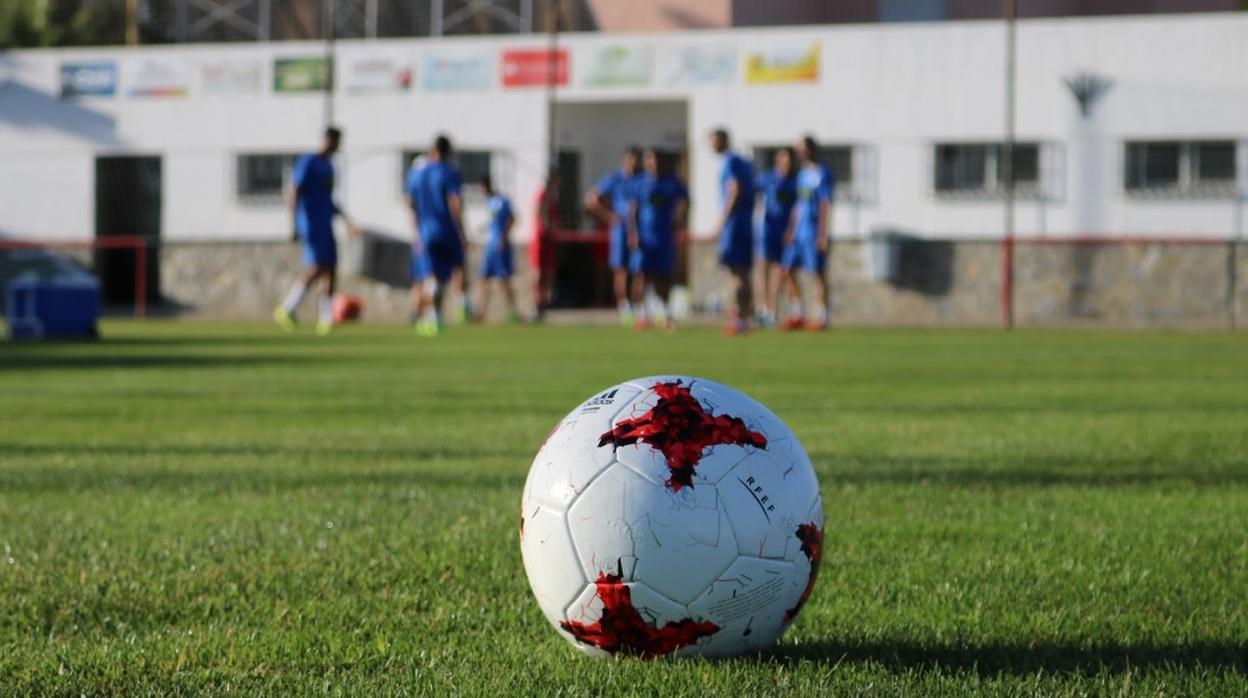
(815, 185)
(779, 196)
(621, 188)
(500, 218)
(430, 188)
(656, 208)
(737, 169)
(313, 179)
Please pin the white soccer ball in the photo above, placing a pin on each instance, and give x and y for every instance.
(671, 514)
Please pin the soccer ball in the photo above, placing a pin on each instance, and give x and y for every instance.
(346, 308)
(671, 514)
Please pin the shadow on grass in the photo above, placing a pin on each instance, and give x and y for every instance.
(1022, 471)
(1023, 658)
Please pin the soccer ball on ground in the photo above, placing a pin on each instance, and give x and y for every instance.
(671, 514)
(346, 308)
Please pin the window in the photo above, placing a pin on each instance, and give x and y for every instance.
(840, 159)
(1180, 168)
(977, 169)
(472, 165)
(1153, 165)
(264, 177)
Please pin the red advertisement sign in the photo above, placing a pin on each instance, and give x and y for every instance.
(533, 67)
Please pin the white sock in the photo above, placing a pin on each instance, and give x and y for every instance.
(294, 297)
(431, 315)
(624, 307)
(822, 314)
(795, 308)
(327, 310)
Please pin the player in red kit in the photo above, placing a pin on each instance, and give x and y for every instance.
(542, 250)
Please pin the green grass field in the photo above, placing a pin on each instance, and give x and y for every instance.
(190, 508)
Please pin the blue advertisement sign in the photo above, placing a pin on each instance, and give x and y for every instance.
(457, 71)
(89, 79)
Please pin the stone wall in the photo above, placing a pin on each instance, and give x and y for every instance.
(938, 283)
(943, 282)
(245, 280)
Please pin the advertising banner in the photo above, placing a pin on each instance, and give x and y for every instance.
(782, 65)
(156, 77)
(89, 79)
(618, 66)
(533, 67)
(697, 65)
(443, 71)
(376, 74)
(230, 77)
(308, 74)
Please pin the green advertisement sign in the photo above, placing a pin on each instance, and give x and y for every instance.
(301, 74)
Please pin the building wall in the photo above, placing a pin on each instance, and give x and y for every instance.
(894, 90)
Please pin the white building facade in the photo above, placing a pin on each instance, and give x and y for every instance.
(912, 115)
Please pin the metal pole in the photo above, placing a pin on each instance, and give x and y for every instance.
(526, 16)
(132, 22)
(370, 19)
(180, 21)
(1007, 165)
(329, 63)
(1232, 261)
(552, 75)
(435, 21)
(140, 277)
(264, 23)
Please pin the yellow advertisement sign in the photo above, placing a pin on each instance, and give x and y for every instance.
(781, 65)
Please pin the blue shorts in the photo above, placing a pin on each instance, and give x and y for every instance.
(496, 264)
(771, 245)
(804, 255)
(443, 258)
(736, 247)
(736, 256)
(659, 260)
(617, 247)
(319, 250)
(419, 268)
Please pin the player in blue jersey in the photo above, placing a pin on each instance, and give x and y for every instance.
(807, 249)
(433, 193)
(736, 227)
(496, 262)
(659, 207)
(611, 200)
(778, 187)
(312, 204)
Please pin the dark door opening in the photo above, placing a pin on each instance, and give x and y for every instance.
(575, 261)
(127, 202)
(592, 136)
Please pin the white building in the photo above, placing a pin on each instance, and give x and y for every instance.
(911, 110)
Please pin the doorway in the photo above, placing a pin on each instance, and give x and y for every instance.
(127, 203)
(592, 137)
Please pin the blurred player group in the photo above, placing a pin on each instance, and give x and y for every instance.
(642, 205)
